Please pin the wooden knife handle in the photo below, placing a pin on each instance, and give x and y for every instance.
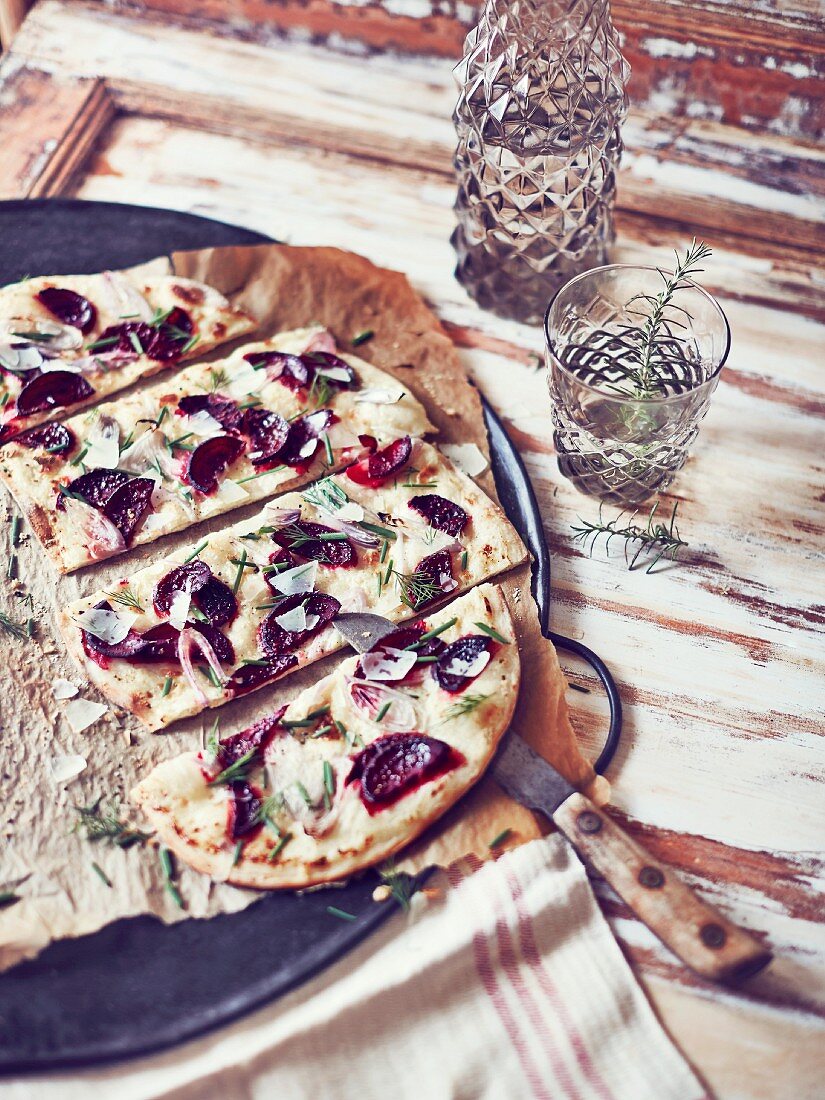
(702, 938)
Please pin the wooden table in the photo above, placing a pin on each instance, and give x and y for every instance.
(719, 661)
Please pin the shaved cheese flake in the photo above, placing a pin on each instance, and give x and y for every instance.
(146, 454)
(466, 456)
(203, 424)
(461, 666)
(66, 768)
(293, 620)
(337, 374)
(103, 443)
(388, 664)
(351, 511)
(246, 380)
(123, 298)
(64, 689)
(230, 492)
(82, 713)
(378, 396)
(179, 607)
(292, 582)
(342, 438)
(100, 536)
(110, 626)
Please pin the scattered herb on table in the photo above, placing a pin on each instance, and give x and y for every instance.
(362, 337)
(167, 866)
(402, 885)
(502, 838)
(8, 897)
(101, 874)
(654, 541)
(100, 822)
(342, 914)
(19, 630)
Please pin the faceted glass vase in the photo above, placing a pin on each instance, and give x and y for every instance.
(541, 100)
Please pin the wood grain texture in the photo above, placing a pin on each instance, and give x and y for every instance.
(12, 14)
(719, 661)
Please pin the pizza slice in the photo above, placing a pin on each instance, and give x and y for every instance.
(216, 436)
(393, 534)
(70, 340)
(357, 766)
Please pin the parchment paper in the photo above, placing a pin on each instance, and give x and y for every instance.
(50, 867)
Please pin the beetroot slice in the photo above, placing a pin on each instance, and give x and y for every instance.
(194, 575)
(249, 677)
(217, 602)
(465, 649)
(312, 542)
(224, 650)
(128, 646)
(267, 432)
(163, 343)
(274, 640)
(296, 372)
(403, 638)
(244, 811)
(69, 307)
(303, 432)
(440, 513)
(55, 438)
(394, 765)
(128, 505)
(254, 737)
(96, 486)
(220, 408)
(52, 390)
(210, 459)
(436, 570)
(383, 464)
(280, 557)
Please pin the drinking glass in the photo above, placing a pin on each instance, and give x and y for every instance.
(624, 422)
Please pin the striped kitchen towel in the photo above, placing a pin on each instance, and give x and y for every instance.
(507, 985)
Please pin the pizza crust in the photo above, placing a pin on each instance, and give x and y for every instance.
(190, 817)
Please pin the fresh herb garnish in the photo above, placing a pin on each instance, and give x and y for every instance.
(402, 886)
(375, 529)
(362, 337)
(103, 342)
(655, 540)
(342, 914)
(436, 630)
(167, 867)
(8, 897)
(217, 378)
(167, 687)
(11, 566)
(100, 822)
(76, 461)
(276, 850)
(261, 473)
(502, 837)
(382, 712)
(134, 340)
(241, 566)
(196, 551)
(236, 772)
(466, 705)
(126, 598)
(485, 629)
(19, 630)
(101, 874)
(236, 855)
(415, 589)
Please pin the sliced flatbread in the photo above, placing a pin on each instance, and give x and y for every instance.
(263, 618)
(70, 340)
(214, 437)
(356, 767)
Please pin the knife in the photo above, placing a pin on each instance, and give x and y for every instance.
(698, 934)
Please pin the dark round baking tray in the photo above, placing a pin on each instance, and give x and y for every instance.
(138, 985)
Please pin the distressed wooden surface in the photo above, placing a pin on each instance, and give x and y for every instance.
(719, 661)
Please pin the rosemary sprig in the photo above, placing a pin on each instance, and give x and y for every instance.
(100, 822)
(236, 772)
(655, 540)
(126, 598)
(217, 378)
(402, 886)
(466, 705)
(415, 589)
(19, 630)
(362, 337)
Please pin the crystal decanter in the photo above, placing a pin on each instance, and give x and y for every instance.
(541, 101)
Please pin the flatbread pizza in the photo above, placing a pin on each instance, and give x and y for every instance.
(71, 340)
(396, 533)
(214, 437)
(357, 766)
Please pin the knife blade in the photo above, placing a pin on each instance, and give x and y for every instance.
(700, 935)
(362, 629)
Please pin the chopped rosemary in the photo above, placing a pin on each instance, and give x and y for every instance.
(436, 630)
(80, 455)
(237, 853)
(375, 529)
(382, 557)
(466, 705)
(502, 837)
(196, 551)
(419, 484)
(135, 342)
(304, 793)
(126, 598)
(362, 337)
(100, 822)
(241, 566)
(464, 560)
(329, 778)
(578, 687)
(8, 897)
(261, 473)
(11, 566)
(211, 676)
(101, 874)
(655, 540)
(167, 866)
(342, 914)
(328, 450)
(402, 886)
(103, 342)
(236, 772)
(415, 588)
(167, 687)
(382, 712)
(190, 343)
(19, 630)
(276, 850)
(485, 629)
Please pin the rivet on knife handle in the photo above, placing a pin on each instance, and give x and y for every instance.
(702, 938)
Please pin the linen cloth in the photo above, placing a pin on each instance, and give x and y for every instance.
(507, 985)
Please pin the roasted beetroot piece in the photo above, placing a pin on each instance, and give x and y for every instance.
(304, 436)
(274, 640)
(128, 505)
(69, 307)
(369, 442)
(397, 764)
(217, 602)
(440, 513)
(57, 439)
(295, 372)
(383, 464)
(254, 737)
(315, 542)
(127, 647)
(222, 409)
(222, 646)
(460, 663)
(249, 677)
(158, 645)
(96, 486)
(335, 372)
(53, 390)
(210, 459)
(193, 575)
(163, 343)
(405, 638)
(267, 432)
(433, 576)
(282, 558)
(244, 811)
